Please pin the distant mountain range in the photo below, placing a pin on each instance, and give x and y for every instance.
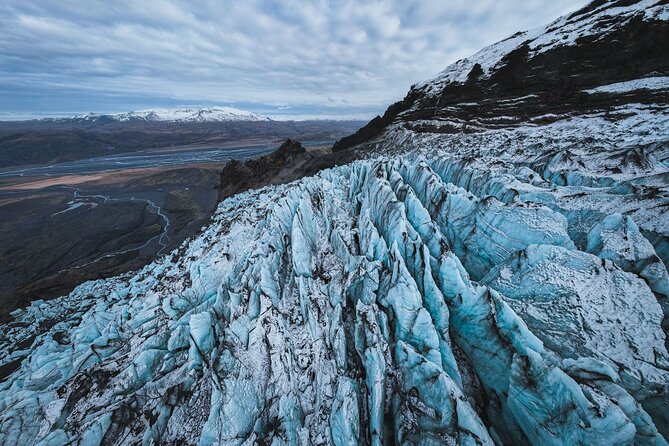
(208, 114)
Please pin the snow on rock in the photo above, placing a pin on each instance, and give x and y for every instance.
(598, 19)
(646, 83)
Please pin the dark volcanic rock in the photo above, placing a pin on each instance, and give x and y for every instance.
(376, 125)
(289, 162)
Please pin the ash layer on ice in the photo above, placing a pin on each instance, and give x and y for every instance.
(502, 286)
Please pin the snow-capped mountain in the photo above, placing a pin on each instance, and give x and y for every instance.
(209, 114)
(608, 54)
(491, 271)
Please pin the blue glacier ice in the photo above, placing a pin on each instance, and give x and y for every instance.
(406, 299)
(467, 280)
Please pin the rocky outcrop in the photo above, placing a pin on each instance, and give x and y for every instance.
(282, 165)
(289, 162)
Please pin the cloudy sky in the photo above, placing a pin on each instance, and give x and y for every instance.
(281, 57)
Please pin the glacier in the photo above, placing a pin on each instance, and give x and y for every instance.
(418, 296)
(489, 267)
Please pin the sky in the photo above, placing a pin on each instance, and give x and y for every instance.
(295, 58)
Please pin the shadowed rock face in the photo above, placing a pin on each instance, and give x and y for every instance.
(285, 164)
(289, 162)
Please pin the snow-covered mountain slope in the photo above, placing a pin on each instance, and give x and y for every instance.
(598, 20)
(506, 284)
(608, 54)
(210, 114)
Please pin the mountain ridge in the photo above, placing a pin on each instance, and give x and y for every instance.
(181, 114)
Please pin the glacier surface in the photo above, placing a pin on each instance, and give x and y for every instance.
(474, 292)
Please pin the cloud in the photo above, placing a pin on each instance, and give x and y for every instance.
(352, 55)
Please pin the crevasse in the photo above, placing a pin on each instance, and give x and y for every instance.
(398, 300)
